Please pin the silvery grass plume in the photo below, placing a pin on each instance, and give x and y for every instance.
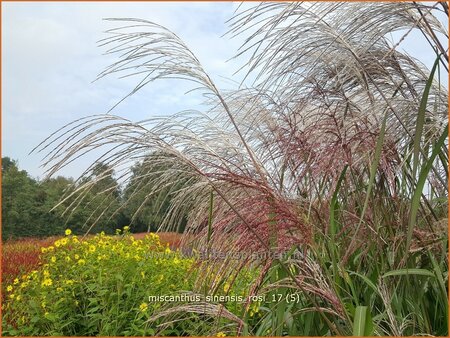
(261, 165)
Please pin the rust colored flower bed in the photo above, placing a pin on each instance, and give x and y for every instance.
(21, 256)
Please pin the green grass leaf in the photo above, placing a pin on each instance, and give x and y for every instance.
(405, 272)
(421, 117)
(362, 323)
(415, 202)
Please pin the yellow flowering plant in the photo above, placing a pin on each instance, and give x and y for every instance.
(83, 286)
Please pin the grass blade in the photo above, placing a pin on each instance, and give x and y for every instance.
(415, 202)
(406, 272)
(421, 117)
(362, 324)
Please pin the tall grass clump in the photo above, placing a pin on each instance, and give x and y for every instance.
(334, 163)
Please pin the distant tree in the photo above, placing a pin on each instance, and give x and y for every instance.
(97, 205)
(40, 209)
(32, 208)
(7, 164)
(144, 205)
(18, 202)
(48, 196)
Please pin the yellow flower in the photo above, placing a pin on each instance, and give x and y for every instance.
(11, 296)
(19, 297)
(77, 257)
(91, 248)
(69, 282)
(53, 259)
(68, 259)
(9, 288)
(16, 281)
(143, 307)
(126, 228)
(46, 273)
(68, 232)
(50, 248)
(220, 334)
(168, 251)
(255, 307)
(47, 282)
(64, 241)
(81, 262)
(75, 239)
(226, 287)
(118, 231)
(176, 261)
(43, 250)
(57, 243)
(59, 289)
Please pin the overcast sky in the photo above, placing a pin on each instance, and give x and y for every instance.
(50, 57)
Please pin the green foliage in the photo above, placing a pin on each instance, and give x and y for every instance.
(28, 208)
(98, 286)
(101, 286)
(23, 203)
(145, 204)
(362, 324)
(27, 205)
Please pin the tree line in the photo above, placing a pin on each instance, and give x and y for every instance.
(41, 208)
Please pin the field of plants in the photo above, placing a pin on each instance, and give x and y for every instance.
(99, 286)
(22, 256)
(313, 202)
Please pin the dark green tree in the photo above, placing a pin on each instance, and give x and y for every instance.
(39, 209)
(145, 206)
(18, 201)
(96, 208)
